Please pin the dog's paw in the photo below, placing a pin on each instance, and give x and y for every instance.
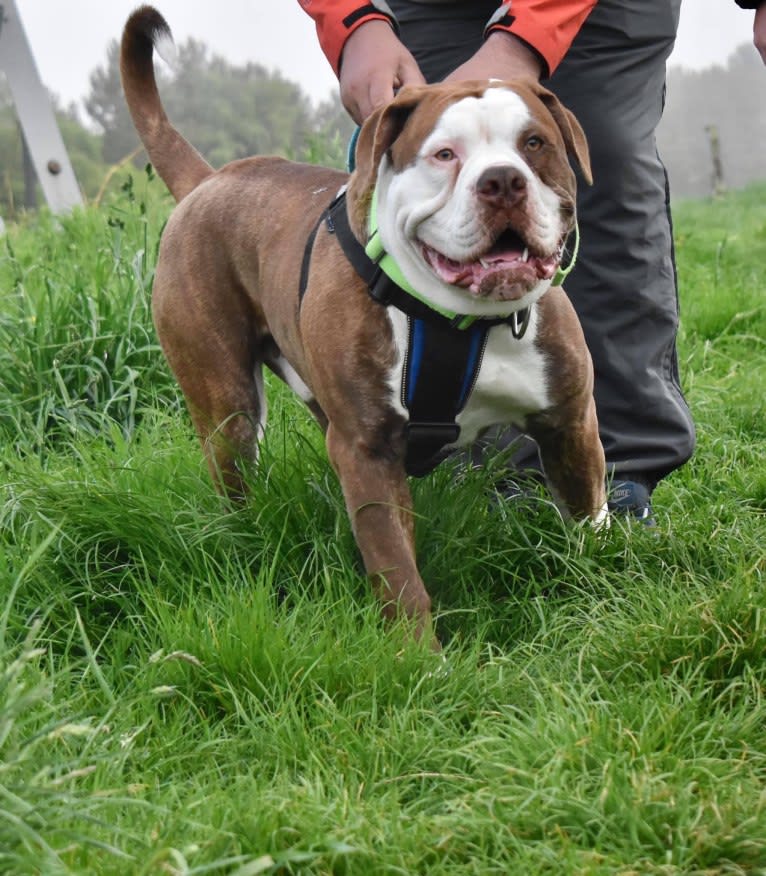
(601, 521)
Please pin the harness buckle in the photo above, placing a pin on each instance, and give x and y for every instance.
(380, 287)
(519, 320)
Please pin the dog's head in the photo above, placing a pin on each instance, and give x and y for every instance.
(475, 191)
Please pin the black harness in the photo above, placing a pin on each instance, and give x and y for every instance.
(443, 355)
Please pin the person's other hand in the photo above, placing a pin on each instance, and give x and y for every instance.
(373, 65)
(501, 56)
(759, 30)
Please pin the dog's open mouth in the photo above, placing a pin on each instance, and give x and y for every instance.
(509, 261)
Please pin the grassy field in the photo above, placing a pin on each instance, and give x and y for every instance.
(188, 690)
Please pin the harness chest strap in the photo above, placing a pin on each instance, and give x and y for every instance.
(439, 372)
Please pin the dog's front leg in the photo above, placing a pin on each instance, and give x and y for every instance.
(573, 461)
(379, 506)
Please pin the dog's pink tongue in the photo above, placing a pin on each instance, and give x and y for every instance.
(455, 273)
(471, 274)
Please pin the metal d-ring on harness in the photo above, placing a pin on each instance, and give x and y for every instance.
(444, 350)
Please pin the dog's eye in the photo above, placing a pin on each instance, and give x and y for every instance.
(444, 155)
(534, 143)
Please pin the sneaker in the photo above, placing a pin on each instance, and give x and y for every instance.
(520, 485)
(633, 499)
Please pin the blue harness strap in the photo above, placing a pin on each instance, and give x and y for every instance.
(439, 372)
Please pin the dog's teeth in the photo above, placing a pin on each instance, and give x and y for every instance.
(525, 254)
(484, 263)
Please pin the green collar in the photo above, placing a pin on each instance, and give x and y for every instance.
(562, 273)
(385, 261)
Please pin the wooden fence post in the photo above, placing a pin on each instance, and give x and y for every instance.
(718, 187)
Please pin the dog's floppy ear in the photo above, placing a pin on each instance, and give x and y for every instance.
(571, 131)
(375, 139)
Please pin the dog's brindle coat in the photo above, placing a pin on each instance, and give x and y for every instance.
(225, 297)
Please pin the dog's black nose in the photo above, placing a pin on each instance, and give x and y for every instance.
(502, 186)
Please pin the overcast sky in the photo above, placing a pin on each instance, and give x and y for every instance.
(69, 37)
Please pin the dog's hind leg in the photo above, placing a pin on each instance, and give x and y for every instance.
(230, 426)
(222, 382)
(211, 335)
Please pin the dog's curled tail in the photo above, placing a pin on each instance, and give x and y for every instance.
(174, 158)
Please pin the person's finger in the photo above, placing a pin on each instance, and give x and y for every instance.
(351, 105)
(380, 91)
(409, 72)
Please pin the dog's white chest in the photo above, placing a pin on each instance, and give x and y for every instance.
(510, 385)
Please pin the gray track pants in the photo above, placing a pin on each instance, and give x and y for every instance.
(624, 284)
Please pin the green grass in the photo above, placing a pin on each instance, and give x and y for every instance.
(190, 690)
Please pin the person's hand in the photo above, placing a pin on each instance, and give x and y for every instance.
(759, 30)
(501, 56)
(373, 65)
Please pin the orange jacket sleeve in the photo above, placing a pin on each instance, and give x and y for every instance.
(547, 26)
(336, 20)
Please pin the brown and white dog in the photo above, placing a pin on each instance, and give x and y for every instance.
(475, 201)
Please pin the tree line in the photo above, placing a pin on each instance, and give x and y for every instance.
(230, 111)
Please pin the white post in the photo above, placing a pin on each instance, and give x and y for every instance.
(33, 108)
